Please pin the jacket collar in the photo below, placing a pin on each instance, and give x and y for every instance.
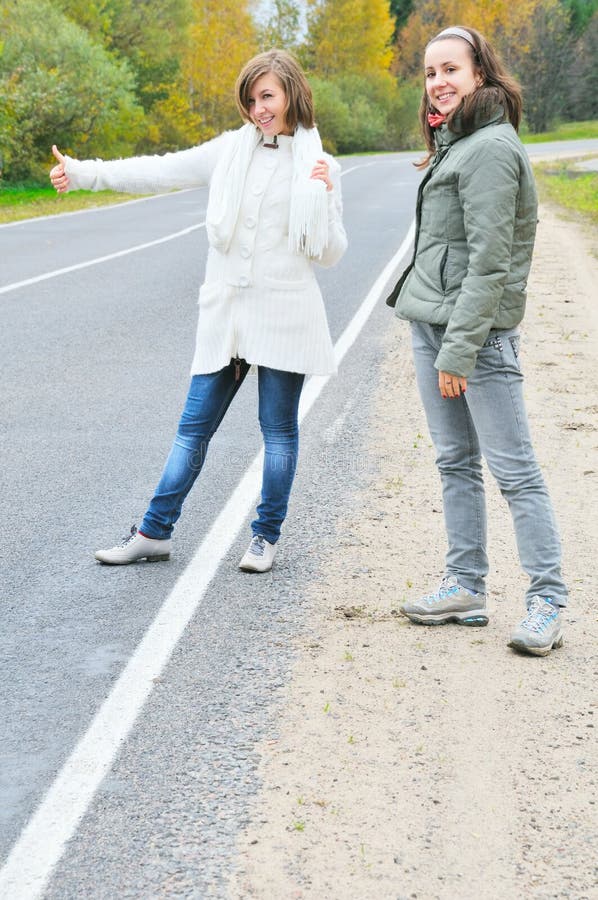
(445, 135)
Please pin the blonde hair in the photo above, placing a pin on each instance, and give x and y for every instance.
(300, 105)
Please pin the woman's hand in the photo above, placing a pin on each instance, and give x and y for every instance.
(451, 385)
(57, 174)
(321, 171)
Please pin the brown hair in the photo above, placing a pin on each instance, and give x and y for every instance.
(300, 104)
(497, 88)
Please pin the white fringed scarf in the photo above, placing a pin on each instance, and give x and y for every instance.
(308, 218)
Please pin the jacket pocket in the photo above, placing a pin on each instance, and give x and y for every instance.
(282, 284)
(391, 300)
(443, 263)
(211, 293)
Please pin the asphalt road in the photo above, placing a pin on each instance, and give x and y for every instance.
(94, 373)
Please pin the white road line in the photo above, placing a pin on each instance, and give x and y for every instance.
(360, 166)
(43, 840)
(99, 259)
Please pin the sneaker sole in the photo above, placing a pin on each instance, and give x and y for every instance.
(522, 647)
(475, 619)
(253, 570)
(127, 562)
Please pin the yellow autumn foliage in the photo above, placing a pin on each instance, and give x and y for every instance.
(221, 38)
(502, 22)
(349, 37)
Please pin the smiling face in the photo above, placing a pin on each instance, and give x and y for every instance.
(450, 73)
(267, 104)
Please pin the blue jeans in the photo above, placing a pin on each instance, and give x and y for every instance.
(207, 402)
(490, 419)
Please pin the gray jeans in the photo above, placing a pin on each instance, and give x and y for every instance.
(490, 419)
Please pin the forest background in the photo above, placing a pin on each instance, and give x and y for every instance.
(113, 78)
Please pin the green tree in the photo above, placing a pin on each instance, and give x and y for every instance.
(151, 35)
(333, 114)
(582, 96)
(282, 29)
(95, 16)
(542, 61)
(400, 10)
(58, 86)
(185, 55)
(580, 14)
(348, 51)
(365, 112)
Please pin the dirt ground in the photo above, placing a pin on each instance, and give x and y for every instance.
(417, 762)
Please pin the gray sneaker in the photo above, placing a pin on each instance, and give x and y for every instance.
(450, 603)
(259, 556)
(135, 546)
(540, 631)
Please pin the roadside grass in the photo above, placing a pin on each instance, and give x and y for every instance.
(568, 131)
(26, 201)
(571, 188)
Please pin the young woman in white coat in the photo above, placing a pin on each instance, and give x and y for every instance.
(274, 208)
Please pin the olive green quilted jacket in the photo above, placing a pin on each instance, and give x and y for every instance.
(475, 228)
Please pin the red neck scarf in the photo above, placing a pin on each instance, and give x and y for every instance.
(436, 119)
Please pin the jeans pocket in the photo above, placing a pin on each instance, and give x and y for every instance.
(514, 341)
(496, 341)
(501, 352)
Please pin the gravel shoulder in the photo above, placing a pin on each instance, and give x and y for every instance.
(435, 762)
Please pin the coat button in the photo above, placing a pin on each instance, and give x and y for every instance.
(244, 281)
(245, 252)
(257, 189)
(250, 222)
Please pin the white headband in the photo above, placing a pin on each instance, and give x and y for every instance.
(457, 32)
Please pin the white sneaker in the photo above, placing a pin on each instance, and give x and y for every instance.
(135, 546)
(260, 555)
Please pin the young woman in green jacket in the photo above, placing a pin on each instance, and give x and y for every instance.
(464, 294)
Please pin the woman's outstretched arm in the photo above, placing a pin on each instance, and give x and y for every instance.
(140, 174)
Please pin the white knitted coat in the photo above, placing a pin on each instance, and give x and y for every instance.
(259, 301)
